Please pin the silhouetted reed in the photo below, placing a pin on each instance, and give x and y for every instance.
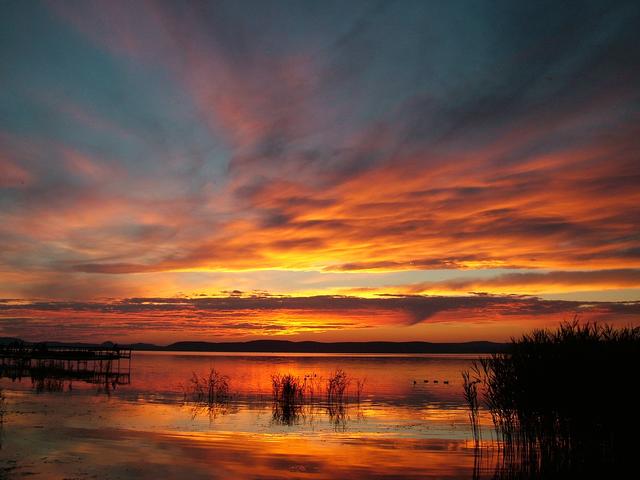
(295, 398)
(470, 386)
(562, 401)
(338, 413)
(288, 398)
(210, 389)
(336, 386)
(208, 394)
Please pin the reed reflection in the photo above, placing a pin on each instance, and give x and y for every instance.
(209, 394)
(297, 399)
(176, 399)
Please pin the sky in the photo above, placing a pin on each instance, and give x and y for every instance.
(362, 170)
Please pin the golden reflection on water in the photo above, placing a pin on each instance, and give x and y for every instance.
(388, 375)
(398, 430)
(128, 453)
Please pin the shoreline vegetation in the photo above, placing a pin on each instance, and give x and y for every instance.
(286, 346)
(561, 401)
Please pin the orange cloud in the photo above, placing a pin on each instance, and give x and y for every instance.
(533, 283)
(250, 156)
(256, 315)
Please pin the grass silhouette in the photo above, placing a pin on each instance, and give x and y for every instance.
(295, 397)
(562, 401)
(211, 389)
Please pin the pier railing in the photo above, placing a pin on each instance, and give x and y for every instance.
(39, 351)
(98, 365)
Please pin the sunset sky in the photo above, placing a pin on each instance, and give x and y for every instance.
(348, 170)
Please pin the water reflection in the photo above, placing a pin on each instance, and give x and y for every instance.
(54, 370)
(329, 422)
(389, 400)
(301, 399)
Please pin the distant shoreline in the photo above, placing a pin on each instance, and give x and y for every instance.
(287, 346)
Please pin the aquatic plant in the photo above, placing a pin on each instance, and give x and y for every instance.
(295, 397)
(287, 388)
(560, 399)
(338, 413)
(337, 385)
(210, 389)
(470, 387)
(288, 398)
(312, 386)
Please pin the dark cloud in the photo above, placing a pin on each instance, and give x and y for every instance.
(418, 307)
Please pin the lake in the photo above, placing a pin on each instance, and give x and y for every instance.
(401, 424)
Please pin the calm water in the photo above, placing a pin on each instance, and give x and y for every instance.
(401, 427)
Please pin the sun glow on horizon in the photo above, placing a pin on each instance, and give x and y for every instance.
(398, 172)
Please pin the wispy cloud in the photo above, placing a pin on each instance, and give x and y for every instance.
(526, 283)
(154, 138)
(518, 171)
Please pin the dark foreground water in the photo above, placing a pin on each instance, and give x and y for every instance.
(403, 425)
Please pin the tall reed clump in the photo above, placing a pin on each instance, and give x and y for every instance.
(294, 397)
(210, 390)
(337, 409)
(565, 400)
(337, 385)
(288, 397)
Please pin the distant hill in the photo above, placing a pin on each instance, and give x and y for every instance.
(286, 346)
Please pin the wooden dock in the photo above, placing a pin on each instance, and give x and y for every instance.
(63, 352)
(98, 365)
